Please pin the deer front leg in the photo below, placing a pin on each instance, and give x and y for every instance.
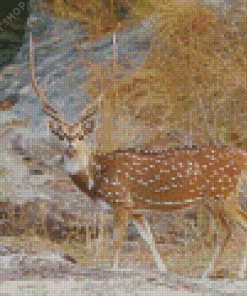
(242, 269)
(143, 228)
(219, 249)
(120, 223)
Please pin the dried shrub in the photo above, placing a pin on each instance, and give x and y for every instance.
(194, 78)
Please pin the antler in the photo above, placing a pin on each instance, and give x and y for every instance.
(46, 106)
(77, 130)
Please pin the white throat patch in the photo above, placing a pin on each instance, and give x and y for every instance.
(74, 165)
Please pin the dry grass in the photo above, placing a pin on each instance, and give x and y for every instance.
(183, 248)
(92, 245)
(194, 79)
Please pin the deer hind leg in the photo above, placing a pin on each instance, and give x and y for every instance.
(243, 225)
(231, 218)
(143, 228)
(219, 249)
(120, 223)
(239, 218)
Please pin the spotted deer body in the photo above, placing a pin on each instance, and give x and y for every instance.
(164, 180)
(134, 181)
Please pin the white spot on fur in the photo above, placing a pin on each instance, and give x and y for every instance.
(91, 183)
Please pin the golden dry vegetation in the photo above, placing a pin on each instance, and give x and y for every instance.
(193, 81)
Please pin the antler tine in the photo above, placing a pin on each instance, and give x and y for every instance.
(46, 106)
(87, 113)
(91, 109)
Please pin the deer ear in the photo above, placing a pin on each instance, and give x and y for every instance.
(88, 126)
(51, 126)
(54, 129)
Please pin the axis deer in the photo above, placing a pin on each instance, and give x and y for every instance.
(133, 181)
